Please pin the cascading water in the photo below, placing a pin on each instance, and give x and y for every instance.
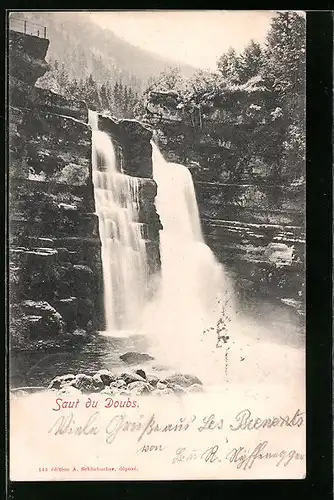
(124, 257)
(193, 283)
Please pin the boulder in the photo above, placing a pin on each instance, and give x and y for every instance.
(83, 382)
(51, 322)
(108, 391)
(118, 384)
(133, 358)
(129, 377)
(141, 373)
(182, 380)
(79, 332)
(139, 388)
(32, 326)
(105, 376)
(97, 381)
(61, 380)
(124, 392)
(152, 379)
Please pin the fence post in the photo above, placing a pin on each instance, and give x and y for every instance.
(44, 31)
(25, 26)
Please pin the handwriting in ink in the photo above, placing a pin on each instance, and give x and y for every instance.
(244, 421)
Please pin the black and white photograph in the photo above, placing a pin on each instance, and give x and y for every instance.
(156, 173)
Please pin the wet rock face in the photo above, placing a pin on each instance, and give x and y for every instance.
(55, 254)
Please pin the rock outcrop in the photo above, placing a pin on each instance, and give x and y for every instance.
(27, 56)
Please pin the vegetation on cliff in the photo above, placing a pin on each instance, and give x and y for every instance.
(247, 117)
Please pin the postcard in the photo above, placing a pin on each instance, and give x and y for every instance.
(156, 174)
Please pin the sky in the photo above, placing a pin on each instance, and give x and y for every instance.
(194, 37)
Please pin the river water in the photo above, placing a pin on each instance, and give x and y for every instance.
(271, 327)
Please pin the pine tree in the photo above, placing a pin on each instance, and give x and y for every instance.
(285, 75)
(91, 93)
(285, 52)
(251, 62)
(229, 66)
(125, 103)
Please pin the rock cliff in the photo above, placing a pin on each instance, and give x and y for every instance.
(252, 219)
(55, 269)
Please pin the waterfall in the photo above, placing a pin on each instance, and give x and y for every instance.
(180, 321)
(194, 285)
(123, 249)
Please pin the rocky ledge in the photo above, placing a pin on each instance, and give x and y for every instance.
(130, 383)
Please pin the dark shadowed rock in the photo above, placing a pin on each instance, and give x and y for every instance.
(84, 382)
(152, 379)
(183, 380)
(60, 381)
(132, 377)
(106, 376)
(51, 322)
(141, 373)
(69, 311)
(133, 358)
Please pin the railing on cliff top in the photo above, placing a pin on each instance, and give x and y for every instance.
(27, 27)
